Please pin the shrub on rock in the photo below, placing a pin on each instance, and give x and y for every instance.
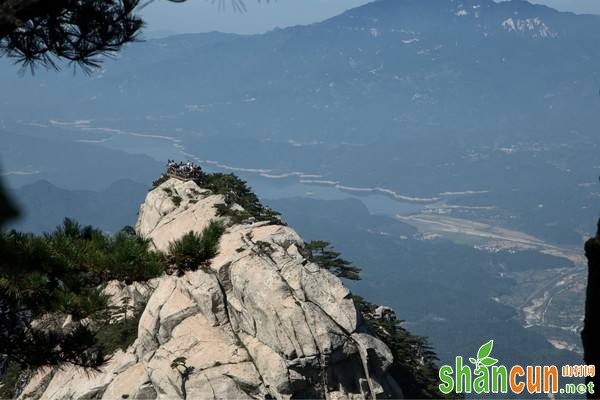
(193, 250)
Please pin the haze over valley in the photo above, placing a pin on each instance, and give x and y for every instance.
(448, 148)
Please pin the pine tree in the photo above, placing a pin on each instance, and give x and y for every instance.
(322, 254)
(44, 278)
(414, 366)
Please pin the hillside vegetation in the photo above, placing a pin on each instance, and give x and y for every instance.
(45, 278)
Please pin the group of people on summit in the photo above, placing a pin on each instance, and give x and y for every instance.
(187, 169)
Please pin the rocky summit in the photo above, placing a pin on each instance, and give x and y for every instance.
(258, 321)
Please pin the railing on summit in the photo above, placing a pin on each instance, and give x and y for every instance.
(184, 171)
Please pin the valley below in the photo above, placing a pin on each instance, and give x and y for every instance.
(547, 294)
(449, 149)
(548, 299)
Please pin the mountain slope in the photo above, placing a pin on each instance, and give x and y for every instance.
(260, 321)
(400, 62)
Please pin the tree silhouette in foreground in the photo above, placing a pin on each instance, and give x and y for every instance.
(80, 31)
(591, 326)
(46, 32)
(7, 209)
(43, 32)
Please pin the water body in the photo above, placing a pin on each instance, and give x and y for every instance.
(377, 204)
(162, 147)
(273, 188)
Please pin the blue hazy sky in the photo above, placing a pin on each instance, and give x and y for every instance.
(205, 15)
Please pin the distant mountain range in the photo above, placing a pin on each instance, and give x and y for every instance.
(391, 68)
(43, 206)
(488, 111)
(497, 100)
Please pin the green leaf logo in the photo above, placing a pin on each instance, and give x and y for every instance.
(483, 360)
(489, 361)
(485, 350)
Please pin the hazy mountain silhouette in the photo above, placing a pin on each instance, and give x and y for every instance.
(44, 206)
(420, 97)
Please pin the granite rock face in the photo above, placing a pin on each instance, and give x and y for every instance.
(259, 322)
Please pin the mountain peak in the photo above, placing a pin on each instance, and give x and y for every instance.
(260, 321)
(439, 15)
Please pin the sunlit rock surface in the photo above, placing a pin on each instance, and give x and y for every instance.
(259, 322)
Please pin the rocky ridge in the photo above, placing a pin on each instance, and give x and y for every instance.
(259, 322)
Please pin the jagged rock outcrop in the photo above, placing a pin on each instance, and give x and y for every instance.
(259, 322)
(591, 326)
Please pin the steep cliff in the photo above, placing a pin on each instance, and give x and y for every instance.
(258, 321)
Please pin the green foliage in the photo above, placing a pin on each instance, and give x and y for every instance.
(129, 230)
(236, 191)
(263, 249)
(322, 254)
(112, 336)
(161, 179)
(10, 373)
(236, 216)
(98, 258)
(133, 260)
(35, 32)
(193, 250)
(62, 273)
(414, 366)
(180, 364)
(176, 200)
